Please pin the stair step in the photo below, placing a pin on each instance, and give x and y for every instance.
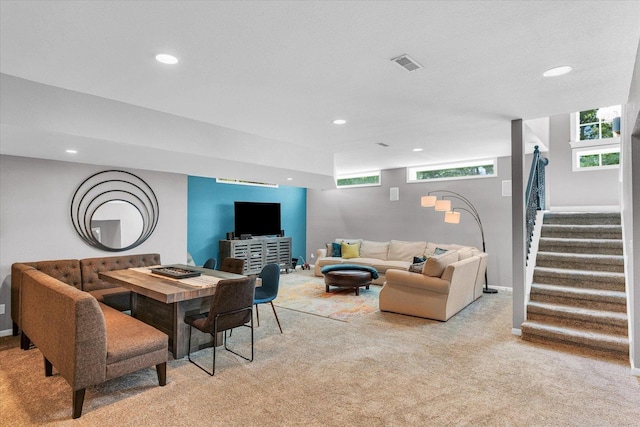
(581, 246)
(579, 278)
(592, 262)
(582, 218)
(534, 331)
(593, 298)
(582, 231)
(608, 322)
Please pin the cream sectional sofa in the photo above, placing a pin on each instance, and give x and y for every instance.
(448, 281)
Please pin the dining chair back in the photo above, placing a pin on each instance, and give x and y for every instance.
(270, 276)
(232, 265)
(231, 307)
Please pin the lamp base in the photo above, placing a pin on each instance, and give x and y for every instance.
(489, 291)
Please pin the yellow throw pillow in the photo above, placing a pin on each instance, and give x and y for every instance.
(350, 250)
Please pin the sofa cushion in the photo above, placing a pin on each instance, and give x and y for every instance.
(405, 251)
(465, 252)
(435, 265)
(350, 250)
(384, 266)
(369, 249)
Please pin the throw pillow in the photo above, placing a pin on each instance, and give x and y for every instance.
(350, 250)
(417, 260)
(439, 251)
(436, 264)
(416, 267)
(336, 250)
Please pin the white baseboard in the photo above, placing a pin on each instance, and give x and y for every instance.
(501, 288)
(6, 332)
(604, 208)
(516, 331)
(635, 371)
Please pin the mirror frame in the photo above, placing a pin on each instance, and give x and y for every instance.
(113, 185)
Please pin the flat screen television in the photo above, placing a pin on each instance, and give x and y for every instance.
(256, 219)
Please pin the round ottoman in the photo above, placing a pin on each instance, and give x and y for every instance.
(347, 279)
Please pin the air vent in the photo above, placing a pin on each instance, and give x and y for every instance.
(382, 144)
(407, 63)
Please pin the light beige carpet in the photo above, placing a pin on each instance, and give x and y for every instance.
(379, 369)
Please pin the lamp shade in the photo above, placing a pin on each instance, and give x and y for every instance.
(443, 205)
(428, 201)
(452, 217)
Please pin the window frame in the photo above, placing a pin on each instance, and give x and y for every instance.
(577, 153)
(582, 147)
(413, 170)
(366, 174)
(241, 182)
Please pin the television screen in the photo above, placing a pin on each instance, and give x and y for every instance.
(257, 219)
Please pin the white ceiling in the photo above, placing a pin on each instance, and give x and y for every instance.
(283, 70)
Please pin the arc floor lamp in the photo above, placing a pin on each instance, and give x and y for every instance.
(452, 216)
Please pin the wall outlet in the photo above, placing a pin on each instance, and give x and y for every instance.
(1, 308)
(312, 256)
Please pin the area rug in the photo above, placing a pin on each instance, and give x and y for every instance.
(307, 294)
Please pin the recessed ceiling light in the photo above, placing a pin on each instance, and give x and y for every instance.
(72, 151)
(418, 149)
(166, 59)
(289, 179)
(339, 121)
(558, 71)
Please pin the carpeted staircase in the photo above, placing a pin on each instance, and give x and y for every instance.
(578, 293)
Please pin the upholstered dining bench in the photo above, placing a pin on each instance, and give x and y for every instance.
(82, 274)
(86, 341)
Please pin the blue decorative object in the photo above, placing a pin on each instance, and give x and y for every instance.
(337, 267)
(337, 249)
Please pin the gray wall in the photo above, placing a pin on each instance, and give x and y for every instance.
(35, 223)
(567, 188)
(368, 213)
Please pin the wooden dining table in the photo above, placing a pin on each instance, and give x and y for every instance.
(163, 302)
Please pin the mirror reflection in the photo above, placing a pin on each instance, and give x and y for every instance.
(116, 224)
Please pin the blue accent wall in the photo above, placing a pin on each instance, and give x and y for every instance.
(210, 214)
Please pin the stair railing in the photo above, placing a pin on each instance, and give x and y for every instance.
(534, 196)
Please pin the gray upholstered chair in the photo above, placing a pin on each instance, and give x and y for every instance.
(266, 293)
(231, 307)
(232, 265)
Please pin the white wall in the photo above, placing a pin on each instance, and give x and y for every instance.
(35, 224)
(368, 213)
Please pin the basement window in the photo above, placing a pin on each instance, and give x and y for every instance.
(362, 179)
(242, 182)
(595, 141)
(607, 157)
(485, 168)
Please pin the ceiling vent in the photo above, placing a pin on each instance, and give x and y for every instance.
(407, 63)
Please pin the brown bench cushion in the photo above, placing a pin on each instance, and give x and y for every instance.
(131, 344)
(118, 297)
(91, 267)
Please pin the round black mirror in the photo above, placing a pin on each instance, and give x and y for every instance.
(114, 210)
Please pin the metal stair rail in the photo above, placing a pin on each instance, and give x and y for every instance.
(535, 196)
